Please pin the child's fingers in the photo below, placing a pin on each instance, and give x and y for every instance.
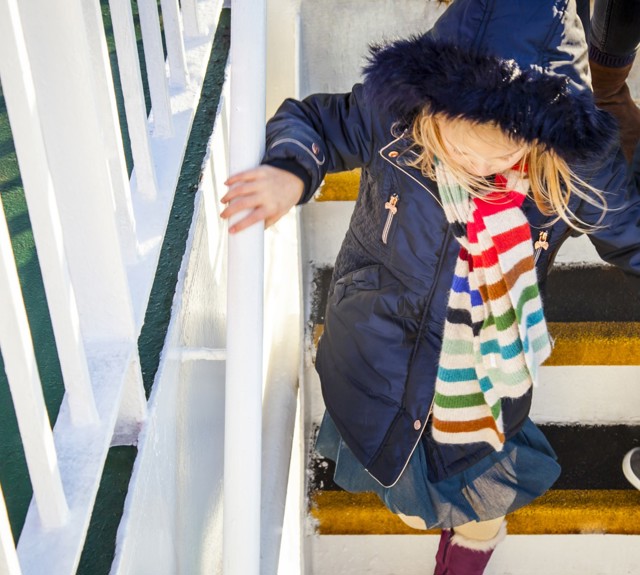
(255, 216)
(246, 176)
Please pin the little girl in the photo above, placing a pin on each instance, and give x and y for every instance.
(481, 150)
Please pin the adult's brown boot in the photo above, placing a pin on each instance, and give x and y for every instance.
(612, 94)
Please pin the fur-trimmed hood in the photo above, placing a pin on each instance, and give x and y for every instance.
(520, 63)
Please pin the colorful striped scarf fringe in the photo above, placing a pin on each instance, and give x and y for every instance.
(495, 334)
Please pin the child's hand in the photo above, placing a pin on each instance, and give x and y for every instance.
(268, 192)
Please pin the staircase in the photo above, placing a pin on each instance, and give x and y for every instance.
(586, 403)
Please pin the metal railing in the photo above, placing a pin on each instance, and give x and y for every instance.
(98, 235)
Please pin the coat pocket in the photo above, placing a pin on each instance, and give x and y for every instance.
(363, 279)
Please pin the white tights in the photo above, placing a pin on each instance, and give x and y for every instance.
(477, 530)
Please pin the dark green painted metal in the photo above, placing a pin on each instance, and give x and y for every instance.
(98, 551)
(159, 309)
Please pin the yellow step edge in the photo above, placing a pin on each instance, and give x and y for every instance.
(595, 343)
(557, 512)
(583, 343)
(339, 187)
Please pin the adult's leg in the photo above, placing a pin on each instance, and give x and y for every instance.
(615, 29)
(583, 8)
(614, 39)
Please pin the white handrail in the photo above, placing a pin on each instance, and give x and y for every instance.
(243, 395)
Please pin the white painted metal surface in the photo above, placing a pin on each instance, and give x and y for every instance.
(26, 391)
(186, 409)
(192, 25)
(173, 33)
(134, 103)
(104, 93)
(20, 95)
(8, 557)
(156, 69)
(57, 81)
(244, 379)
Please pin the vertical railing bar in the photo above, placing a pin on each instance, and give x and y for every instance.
(9, 564)
(173, 31)
(26, 390)
(190, 17)
(133, 92)
(104, 90)
(156, 68)
(243, 391)
(19, 91)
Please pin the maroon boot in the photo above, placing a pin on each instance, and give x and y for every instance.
(458, 555)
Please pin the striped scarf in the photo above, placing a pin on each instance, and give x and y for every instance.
(495, 334)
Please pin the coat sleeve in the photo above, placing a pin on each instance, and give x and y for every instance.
(322, 133)
(617, 237)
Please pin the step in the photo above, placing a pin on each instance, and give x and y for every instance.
(584, 403)
(591, 495)
(556, 512)
(583, 554)
(575, 342)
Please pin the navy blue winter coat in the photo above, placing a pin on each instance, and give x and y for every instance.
(378, 356)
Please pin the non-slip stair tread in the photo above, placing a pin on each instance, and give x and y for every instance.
(573, 294)
(556, 512)
(590, 293)
(581, 342)
(595, 343)
(342, 186)
(590, 457)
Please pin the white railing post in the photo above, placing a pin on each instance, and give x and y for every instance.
(20, 95)
(156, 68)
(133, 92)
(105, 94)
(24, 381)
(8, 557)
(190, 18)
(173, 33)
(244, 377)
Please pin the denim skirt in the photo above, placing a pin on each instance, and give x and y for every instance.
(494, 486)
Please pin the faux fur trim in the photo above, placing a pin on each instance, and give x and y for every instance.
(476, 545)
(535, 105)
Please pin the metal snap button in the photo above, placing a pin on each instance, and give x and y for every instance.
(417, 424)
(315, 149)
(393, 154)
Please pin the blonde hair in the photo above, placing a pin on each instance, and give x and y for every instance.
(551, 180)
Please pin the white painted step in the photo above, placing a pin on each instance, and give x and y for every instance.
(517, 555)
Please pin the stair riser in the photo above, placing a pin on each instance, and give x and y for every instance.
(518, 554)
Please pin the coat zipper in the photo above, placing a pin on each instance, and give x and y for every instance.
(541, 244)
(393, 210)
(405, 172)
